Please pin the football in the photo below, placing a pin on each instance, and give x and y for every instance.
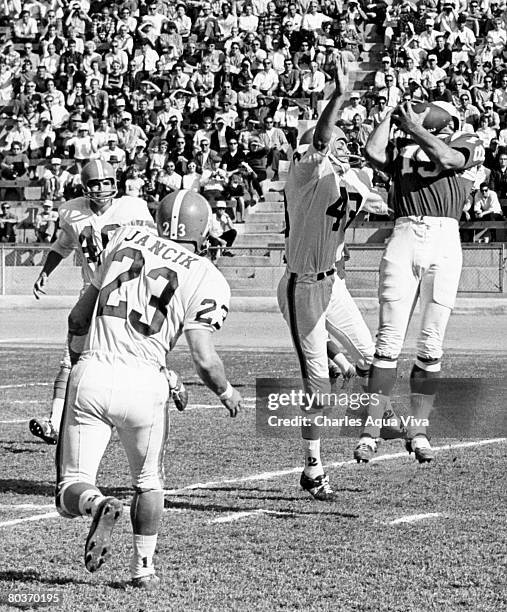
(437, 118)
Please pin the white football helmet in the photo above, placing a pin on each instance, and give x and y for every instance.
(185, 217)
(98, 178)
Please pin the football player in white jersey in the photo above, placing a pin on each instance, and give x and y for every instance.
(150, 288)
(86, 224)
(312, 299)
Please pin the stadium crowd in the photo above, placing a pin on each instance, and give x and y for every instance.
(208, 95)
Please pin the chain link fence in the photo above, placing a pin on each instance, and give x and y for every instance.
(483, 268)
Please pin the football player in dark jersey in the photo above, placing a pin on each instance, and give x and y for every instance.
(423, 257)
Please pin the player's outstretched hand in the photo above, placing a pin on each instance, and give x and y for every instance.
(407, 119)
(233, 404)
(339, 76)
(40, 283)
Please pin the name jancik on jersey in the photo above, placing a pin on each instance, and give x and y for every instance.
(166, 252)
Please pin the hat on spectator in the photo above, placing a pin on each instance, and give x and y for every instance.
(386, 58)
(5, 205)
(255, 140)
(140, 144)
(126, 115)
(329, 42)
(220, 204)
(354, 94)
(432, 56)
(429, 21)
(47, 203)
(488, 104)
(56, 161)
(82, 127)
(219, 120)
(112, 138)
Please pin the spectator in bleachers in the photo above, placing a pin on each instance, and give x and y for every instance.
(485, 132)
(55, 179)
(81, 147)
(355, 108)
(8, 222)
(113, 150)
(498, 180)
(214, 181)
(275, 142)
(484, 94)
(380, 75)
(222, 232)
(14, 163)
(312, 86)
(19, 133)
(191, 179)
(469, 114)
(42, 140)
(134, 182)
(487, 207)
(45, 223)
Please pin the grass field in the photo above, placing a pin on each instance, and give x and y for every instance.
(238, 533)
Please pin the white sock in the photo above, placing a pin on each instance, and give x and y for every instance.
(141, 563)
(313, 464)
(89, 502)
(56, 413)
(342, 362)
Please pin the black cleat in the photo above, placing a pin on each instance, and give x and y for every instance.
(147, 583)
(44, 430)
(98, 542)
(319, 488)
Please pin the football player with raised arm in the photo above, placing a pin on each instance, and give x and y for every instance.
(422, 259)
(311, 296)
(86, 225)
(150, 288)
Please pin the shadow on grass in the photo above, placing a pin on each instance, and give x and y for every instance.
(46, 489)
(211, 507)
(33, 575)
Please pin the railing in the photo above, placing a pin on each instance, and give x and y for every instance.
(484, 267)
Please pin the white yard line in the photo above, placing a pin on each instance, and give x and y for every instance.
(244, 514)
(28, 384)
(296, 470)
(36, 517)
(14, 421)
(414, 518)
(267, 476)
(25, 506)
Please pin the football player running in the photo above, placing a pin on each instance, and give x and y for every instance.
(422, 259)
(312, 298)
(150, 288)
(86, 225)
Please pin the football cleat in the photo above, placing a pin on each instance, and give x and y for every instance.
(98, 542)
(365, 450)
(177, 390)
(420, 446)
(43, 429)
(147, 583)
(319, 488)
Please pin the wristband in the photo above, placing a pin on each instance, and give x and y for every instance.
(227, 394)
